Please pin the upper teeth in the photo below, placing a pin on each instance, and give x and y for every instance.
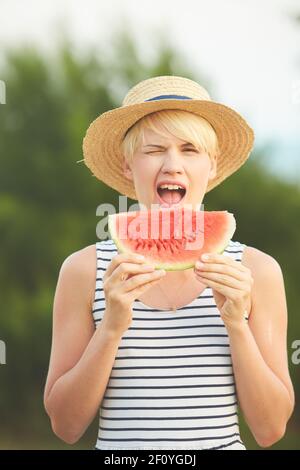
(170, 186)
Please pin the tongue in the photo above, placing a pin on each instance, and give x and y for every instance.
(170, 196)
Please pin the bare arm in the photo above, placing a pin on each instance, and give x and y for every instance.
(81, 358)
(259, 353)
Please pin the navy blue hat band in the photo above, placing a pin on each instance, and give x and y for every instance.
(168, 97)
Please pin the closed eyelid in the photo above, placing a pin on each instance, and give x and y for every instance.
(161, 147)
(184, 150)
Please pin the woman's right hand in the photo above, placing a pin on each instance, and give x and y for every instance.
(126, 278)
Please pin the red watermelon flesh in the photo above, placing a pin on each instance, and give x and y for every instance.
(172, 238)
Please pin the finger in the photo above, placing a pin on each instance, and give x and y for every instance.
(126, 270)
(230, 270)
(121, 258)
(223, 279)
(222, 259)
(139, 290)
(228, 292)
(140, 279)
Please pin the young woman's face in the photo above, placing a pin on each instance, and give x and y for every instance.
(161, 159)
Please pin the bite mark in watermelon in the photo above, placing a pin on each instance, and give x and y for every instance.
(172, 238)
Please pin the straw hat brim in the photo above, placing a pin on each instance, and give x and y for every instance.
(102, 142)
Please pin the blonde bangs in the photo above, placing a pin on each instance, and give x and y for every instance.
(182, 124)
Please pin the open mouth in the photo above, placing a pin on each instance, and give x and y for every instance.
(170, 196)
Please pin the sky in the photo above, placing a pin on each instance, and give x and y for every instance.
(248, 49)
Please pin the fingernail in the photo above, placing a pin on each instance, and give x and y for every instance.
(199, 265)
(141, 257)
(205, 257)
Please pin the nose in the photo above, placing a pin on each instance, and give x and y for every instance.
(172, 162)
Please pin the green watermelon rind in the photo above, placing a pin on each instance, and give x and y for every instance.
(173, 266)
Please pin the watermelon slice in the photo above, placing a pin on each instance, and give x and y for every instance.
(171, 238)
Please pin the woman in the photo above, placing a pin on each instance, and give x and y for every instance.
(169, 355)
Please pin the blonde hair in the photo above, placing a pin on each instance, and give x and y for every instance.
(183, 124)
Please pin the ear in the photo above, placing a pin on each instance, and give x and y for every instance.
(213, 168)
(127, 170)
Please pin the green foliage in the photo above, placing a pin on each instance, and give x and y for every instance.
(48, 207)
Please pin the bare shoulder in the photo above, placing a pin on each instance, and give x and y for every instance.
(81, 259)
(259, 262)
(267, 276)
(79, 269)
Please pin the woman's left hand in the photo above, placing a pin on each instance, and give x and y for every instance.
(231, 283)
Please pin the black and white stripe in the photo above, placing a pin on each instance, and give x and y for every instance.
(172, 383)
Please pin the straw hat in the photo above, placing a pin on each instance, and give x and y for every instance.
(102, 142)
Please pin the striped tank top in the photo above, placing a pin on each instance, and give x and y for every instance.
(171, 384)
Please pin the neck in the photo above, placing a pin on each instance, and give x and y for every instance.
(177, 276)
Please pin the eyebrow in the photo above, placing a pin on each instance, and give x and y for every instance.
(162, 146)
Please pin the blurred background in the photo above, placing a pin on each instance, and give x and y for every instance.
(62, 63)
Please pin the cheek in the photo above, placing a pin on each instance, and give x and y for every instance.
(198, 176)
(144, 173)
(199, 171)
(149, 166)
